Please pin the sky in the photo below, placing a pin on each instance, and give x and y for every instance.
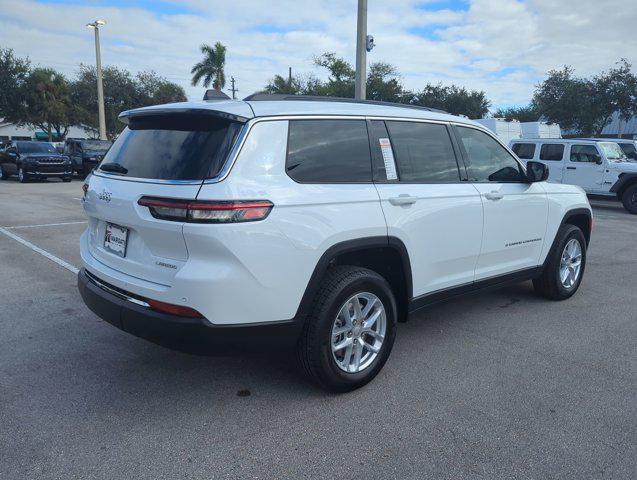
(504, 47)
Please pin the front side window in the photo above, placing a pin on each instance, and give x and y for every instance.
(488, 160)
(329, 151)
(613, 152)
(584, 154)
(423, 152)
(172, 147)
(553, 152)
(629, 150)
(524, 150)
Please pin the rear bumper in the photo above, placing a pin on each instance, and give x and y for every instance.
(181, 332)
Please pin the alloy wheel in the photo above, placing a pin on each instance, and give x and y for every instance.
(571, 263)
(358, 332)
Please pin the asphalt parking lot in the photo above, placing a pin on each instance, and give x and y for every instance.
(500, 386)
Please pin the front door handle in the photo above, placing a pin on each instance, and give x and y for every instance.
(571, 168)
(493, 195)
(403, 200)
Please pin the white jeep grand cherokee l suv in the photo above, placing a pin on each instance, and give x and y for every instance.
(321, 223)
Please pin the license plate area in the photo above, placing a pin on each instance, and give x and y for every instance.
(115, 239)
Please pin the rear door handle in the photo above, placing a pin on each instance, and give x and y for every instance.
(571, 168)
(403, 200)
(493, 195)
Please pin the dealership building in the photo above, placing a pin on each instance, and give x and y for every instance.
(12, 131)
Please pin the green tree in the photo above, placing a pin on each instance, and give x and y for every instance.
(14, 72)
(122, 92)
(383, 83)
(211, 68)
(289, 86)
(453, 99)
(155, 90)
(618, 89)
(47, 102)
(528, 113)
(340, 82)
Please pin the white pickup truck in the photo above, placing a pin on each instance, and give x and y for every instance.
(600, 167)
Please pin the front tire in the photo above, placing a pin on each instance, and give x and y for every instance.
(629, 199)
(23, 177)
(564, 268)
(350, 331)
(3, 175)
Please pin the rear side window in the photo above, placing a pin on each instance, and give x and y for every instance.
(524, 150)
(173, 147)
(552, 152)
(584, 154)
(488, 160)
(423, 152)
(329, 151)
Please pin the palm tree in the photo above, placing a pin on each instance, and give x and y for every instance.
(210, 69)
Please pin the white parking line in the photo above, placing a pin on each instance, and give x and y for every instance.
(44, 225)
(37, 249)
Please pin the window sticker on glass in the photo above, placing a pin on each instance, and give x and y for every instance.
(388, 158)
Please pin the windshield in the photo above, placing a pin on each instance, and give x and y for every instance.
(36, 147)
(629, 150)
(173, 147)
(613, 152)
(96, 146)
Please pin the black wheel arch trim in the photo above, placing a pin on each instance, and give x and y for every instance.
(578, 211)
(623, 182)
(349, 246)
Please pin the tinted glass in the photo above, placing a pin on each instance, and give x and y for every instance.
(629, 150)
(584, 154)
(95, 146)
(329, 151)
(488, 160)
(36, 147)
(524, 150)
(550, 151)
(423, 152)
(173, 147)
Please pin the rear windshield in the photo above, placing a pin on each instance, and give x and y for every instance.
(173, 147)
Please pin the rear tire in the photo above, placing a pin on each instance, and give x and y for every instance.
(564, 268)
(3, 175)
(353, 301)
(629, 199)
(23, 177)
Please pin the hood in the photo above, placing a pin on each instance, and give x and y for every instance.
(628, 167)
(35, 156)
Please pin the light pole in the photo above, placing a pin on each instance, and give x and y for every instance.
(100, 88)
(361, 52)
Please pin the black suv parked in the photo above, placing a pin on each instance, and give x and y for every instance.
(31, 160)
(85, 154)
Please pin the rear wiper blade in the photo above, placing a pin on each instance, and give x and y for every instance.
(114, 167)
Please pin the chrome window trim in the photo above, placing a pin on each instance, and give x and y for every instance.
(236, 150)
(493, 136)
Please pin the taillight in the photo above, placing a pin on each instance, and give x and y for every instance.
(85, 189)
(173, 309)
(207, 211)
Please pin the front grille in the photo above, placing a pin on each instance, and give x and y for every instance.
(57, 160)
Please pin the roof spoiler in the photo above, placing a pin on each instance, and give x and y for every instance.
(212, 94)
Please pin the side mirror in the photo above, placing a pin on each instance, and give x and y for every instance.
(598, 160)
(536, 172)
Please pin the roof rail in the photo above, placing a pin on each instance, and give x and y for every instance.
(258, 97)
(212, 94)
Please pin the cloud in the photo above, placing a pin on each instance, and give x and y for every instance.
(501, 46)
